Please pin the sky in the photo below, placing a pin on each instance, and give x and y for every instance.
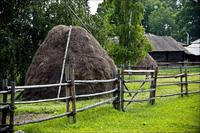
(93, 4)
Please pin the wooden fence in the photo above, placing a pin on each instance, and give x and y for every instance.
(155, 84)
(118, 98)
(70, 98)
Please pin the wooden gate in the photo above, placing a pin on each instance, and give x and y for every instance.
(150, 76)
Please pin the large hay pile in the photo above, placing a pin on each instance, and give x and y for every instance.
(90, 59)
(147, 62)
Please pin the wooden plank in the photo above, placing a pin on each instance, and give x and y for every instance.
(139, 100)
(2, 107)
(186, 81)
(64, 60)
(139, 71)
(12, 107)
(67, 89)
(4, 100)
(146, 80)
(168, 95)
(43, 100)
(153, 86)
(122, 88)
(139, 91)
(39, 86)
(97, 104)
(181, 80)
(43, 119)
(97, 94)
(4, 129)
(95, 81)
(73, 94)
(5, 92)
(171, 84)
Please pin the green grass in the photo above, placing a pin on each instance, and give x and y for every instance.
(176, 114)
(171, 114)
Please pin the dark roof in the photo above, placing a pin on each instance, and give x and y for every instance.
(165, 43)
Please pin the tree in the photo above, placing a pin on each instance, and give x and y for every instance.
(122, 19)
(188, 20)
(24, 24)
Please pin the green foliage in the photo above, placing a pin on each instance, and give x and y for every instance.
(172, 18)
(24, 25)
(188, 20)
(122, 19)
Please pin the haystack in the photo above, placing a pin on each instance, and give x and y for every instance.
(89, 58)
(147, 62)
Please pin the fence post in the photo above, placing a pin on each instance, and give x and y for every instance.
(186, 81)
(12, 106)
(181, 80)
(153, 86)
(122, 88)
(67, 89)
(73, 93)
(116, 103)
(4, 102)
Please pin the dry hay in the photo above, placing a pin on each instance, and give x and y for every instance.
(147, 62)
(90, 59)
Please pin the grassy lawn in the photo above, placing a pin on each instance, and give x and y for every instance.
(171, 114)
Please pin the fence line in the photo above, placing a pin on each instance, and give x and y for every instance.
(118, 92)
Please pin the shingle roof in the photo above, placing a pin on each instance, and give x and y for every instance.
(165, 43)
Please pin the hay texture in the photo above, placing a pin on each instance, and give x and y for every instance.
(89, 58)
(147, 62)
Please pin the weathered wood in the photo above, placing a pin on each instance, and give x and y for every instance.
(95, 81)
(153, 86)
(192, 92)
(195, 74)
(5, 92)
(67, 89)
(64, 60)
(171, 84)
(73, 94)
(138, 71)
(4, 100)
(43, 100)
(118, 91)
(139, 100)
(146, 80)
(39, 86)
(12, 107)
(4, 129)
(122, 88)
(97, 94)
(186, 81)
(97, 104)
(2, 107)
(139, 91)
(168, 95)
(181, 80)
(43, 119)
(172, 76)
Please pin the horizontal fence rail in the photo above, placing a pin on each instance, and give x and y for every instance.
(97, 104)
